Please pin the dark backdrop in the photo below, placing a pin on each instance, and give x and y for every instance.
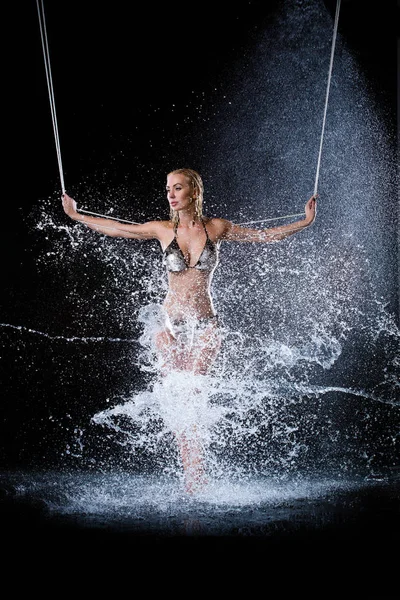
(128, 85)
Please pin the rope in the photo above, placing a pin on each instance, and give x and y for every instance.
(327, 93)
(271, 219)
(43, 34)
(135, 223)
(46, 56)
(88, 212)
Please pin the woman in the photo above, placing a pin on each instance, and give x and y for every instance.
(190, 242)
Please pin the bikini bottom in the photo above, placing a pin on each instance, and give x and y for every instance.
(188, 331)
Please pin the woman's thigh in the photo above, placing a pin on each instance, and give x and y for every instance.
(205, 349)
(195, 351)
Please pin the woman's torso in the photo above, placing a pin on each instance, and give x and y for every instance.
(190, 258)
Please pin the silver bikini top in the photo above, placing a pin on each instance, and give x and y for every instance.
(174, 260)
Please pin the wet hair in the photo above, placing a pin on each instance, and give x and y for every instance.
(198, 189)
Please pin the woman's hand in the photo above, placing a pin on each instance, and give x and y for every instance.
(69, 206)
(311, 209)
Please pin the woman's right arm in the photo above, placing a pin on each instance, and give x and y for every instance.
(111, 227)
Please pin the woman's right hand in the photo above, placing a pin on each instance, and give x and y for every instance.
(311, 209)
(69, 206)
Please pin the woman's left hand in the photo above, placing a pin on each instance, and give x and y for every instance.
(311, 209)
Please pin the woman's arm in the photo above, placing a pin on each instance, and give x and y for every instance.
(237, 233)
(111, 227)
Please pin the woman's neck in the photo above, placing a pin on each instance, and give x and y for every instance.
(188, 218)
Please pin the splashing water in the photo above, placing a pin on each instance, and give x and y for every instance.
(156, 504)
(307, 381)
(287, 393)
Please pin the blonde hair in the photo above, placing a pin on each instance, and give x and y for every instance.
(198, 189)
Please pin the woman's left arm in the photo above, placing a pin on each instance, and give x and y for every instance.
(237, 233)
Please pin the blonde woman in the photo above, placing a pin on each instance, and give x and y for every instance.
(190, 339)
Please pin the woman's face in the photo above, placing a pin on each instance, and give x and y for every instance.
(179, 192)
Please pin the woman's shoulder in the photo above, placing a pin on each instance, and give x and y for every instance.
(218, 224)
(161, 225)
(217, 221)
(163, 231)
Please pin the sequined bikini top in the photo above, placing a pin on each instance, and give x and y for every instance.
(174, 259)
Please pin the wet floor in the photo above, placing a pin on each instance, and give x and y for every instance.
(299, 524)
(159, 505)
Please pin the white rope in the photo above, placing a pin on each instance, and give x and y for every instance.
(272, 219)
(46, 56)
(327, 93)
(135, 223)
(88, 212)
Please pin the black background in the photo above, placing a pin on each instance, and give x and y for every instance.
(122, 72)
(127, 74)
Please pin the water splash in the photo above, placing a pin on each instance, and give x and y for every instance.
(308, 377)
(64, 338)
(288, 391)
(145, 504)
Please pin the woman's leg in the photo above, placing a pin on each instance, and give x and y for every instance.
(197, 359)
(191, 451)
(172, 355)
(200, 360)
(206, 349)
